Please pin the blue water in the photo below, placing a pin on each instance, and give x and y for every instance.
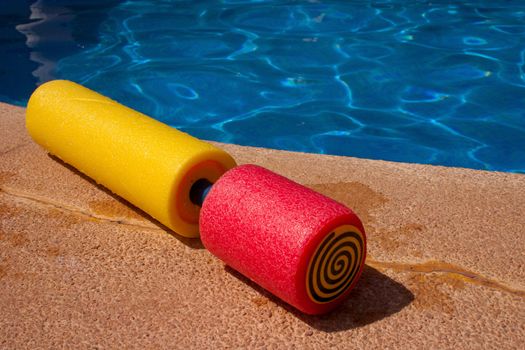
(437, 82)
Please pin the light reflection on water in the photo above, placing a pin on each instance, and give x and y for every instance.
(421, 81)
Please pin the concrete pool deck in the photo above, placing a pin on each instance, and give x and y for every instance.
(81, 268)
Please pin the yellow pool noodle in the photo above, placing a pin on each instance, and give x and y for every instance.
(150, 164)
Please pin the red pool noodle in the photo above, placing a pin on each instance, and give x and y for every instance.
(276, 232)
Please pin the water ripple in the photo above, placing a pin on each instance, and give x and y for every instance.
(416, 81)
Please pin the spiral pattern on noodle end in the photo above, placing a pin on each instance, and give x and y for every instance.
(335, 264)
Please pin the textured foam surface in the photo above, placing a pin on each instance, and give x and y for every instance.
(267, 227)
(147, 162)
(80, 268)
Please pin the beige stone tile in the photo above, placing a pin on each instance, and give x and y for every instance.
(80, 268)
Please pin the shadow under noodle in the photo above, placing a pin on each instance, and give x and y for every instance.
(375, 297)
(194, 243)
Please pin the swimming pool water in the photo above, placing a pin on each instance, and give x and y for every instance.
(435, 82)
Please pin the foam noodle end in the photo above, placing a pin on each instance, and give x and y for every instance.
(300, 245)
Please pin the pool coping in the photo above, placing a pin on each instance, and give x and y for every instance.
(445, 267)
